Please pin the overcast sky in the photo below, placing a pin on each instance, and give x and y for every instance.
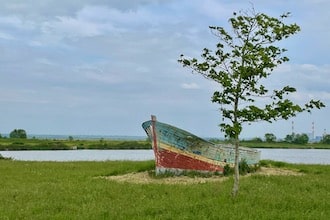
(102, 67)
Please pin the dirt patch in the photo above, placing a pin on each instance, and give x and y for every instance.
(145, 178)
(269, 171)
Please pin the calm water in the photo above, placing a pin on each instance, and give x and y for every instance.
(79, 155)
(306, 156)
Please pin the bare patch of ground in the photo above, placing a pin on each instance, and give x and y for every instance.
(145, 178)
(269, 171)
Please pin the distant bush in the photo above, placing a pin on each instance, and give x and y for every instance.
(297, 138)
(326, 139)
(270, 137)
(18, 133)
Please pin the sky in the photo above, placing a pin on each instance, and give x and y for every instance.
(102, 67)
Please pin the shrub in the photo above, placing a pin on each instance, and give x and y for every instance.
(243, 167)
(227, 170)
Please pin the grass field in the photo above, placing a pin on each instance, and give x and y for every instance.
(71, 190)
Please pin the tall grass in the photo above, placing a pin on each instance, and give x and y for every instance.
(71, 190)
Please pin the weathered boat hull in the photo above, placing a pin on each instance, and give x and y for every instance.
(177, 150)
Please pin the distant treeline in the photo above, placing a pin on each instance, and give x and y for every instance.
(75, 144)
(277, 144)
(290, 141)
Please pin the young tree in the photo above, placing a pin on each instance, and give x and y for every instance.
(242, 59)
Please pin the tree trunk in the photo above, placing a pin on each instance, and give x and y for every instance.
(236, 169)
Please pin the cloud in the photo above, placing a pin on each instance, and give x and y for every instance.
(98, 75)
(116, 61)
(213, 9)
(307, 77)
(99, 20)
(45, 61)
(6, 36)
(70, 27)
(190, 86)
(14, 22)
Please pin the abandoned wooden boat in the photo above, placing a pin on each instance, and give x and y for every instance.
(177, 150)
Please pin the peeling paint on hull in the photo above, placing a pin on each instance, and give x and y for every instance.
(177, 150)
(171, 160)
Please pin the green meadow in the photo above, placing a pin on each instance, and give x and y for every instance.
(55, 144)
(73, 190)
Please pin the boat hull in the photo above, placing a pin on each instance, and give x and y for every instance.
(169, 159)
(177, 150)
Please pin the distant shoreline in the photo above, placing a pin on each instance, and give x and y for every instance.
(74, 142)
(56, 142)
(82, 137)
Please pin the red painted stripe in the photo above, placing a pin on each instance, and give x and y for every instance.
(169, 159)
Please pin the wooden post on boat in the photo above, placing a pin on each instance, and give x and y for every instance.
(154, 135)
(154, 140)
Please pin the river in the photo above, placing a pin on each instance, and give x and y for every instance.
(303, 156)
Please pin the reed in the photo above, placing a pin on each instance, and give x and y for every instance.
(73, 190)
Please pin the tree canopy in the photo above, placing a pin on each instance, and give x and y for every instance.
(243, 58)
(297, 138)
(18, 133)
(239, 63)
